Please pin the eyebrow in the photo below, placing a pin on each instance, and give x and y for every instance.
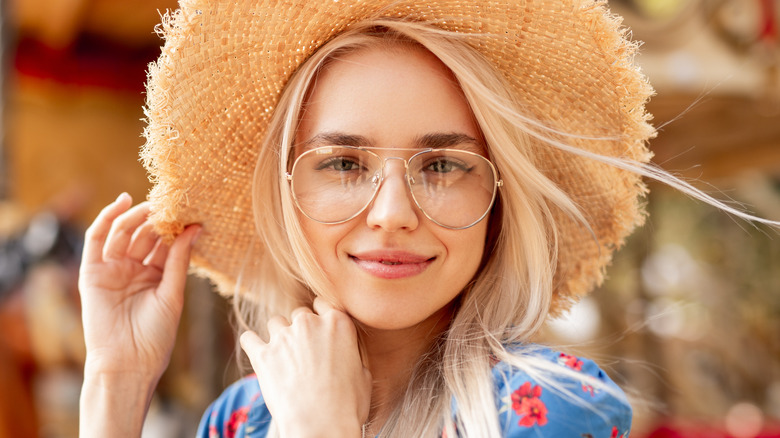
(437, 140)
(336, 138)
(447, 140)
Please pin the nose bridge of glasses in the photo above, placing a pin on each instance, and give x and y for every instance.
(386, 168)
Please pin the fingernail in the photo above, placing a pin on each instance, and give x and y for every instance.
(121, 196)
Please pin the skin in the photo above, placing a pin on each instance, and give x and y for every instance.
(391, 98)
(132, 294)
(386, 97)
(132, 284)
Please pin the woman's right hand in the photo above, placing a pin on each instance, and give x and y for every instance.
(310, 372)
(132, 291)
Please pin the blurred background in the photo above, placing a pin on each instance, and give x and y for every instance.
(688, 321)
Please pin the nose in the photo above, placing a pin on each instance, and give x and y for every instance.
(393, 208)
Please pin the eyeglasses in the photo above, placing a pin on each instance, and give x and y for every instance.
(453, 188)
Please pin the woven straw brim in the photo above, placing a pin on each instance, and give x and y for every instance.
(224, 64)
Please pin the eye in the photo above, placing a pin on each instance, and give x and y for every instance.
(446, 165)
(340, 164)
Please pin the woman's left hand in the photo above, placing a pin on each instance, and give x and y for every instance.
(310, 372)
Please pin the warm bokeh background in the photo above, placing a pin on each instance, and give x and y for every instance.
(688, 322)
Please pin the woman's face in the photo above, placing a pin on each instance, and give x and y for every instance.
(391, 267)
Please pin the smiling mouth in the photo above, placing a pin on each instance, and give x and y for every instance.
(392, 267)
(392, 260)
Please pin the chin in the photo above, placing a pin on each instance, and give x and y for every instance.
(376, 319)
(381, 322)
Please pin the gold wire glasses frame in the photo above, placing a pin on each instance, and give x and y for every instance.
(454, 188)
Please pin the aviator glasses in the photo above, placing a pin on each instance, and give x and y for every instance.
(454, 188)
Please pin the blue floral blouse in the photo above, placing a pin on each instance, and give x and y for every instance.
(526, 407)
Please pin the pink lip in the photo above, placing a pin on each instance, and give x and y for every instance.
(391, 264)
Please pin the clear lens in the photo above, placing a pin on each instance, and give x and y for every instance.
(332, 184)
(453, 188)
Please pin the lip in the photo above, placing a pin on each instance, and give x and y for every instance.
(391, 265)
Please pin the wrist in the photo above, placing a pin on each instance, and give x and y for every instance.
(114, 403)
(127, 382)
(120, 378)
(333, 428)
(110, 369)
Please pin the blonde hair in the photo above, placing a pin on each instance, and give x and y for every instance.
(508, 300)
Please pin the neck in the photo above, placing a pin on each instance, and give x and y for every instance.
(391, 356)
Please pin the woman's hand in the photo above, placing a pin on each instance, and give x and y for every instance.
(131, 286)
(310, 373)
(132, 294)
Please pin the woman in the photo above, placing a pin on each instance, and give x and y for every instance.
(427, 183)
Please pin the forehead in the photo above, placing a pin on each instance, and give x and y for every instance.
(391, 96)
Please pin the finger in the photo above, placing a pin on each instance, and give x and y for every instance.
(176, 265)
(322, 306)
(143, 241)
(159, 255)
(95, 236)
(122, 231)
(251, 344)
(299, 311)
(276, 324)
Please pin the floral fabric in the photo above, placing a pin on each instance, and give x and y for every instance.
(575, 406)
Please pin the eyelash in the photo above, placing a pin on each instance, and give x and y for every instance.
(331, 162)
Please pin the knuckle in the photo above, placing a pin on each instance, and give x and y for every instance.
(305, 318)
(298, 312)
(276, 320)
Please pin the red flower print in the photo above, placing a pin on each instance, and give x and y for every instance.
(571, 361)
(589, 389)
(528, 405)
(237, 418)
(534, 412)
(615, 432)
(524, 392)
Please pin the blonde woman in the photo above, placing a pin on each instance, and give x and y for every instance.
(396, 196)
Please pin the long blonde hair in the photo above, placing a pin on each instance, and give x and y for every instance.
(509, 298)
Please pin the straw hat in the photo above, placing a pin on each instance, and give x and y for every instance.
(224, 64)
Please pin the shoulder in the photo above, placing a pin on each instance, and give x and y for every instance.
(239, 411)
(558, 395)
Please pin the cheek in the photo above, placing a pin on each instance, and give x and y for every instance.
(324, 268)
(465, 248)
(323, 241)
